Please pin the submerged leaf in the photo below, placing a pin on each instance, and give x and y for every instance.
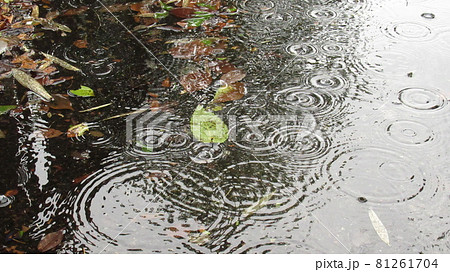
(84, 91)
(196, 81)
(52, 133)
(60, 102)
(191, 50)
(208, 127)
(379, 227)
(200, 239)
(30, 83)
(233, 76)
(234, 91)
(77, 130)
(258, 205)
(60, 62)
(50, 241)
(6, 108)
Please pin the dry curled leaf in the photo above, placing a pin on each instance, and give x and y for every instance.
(51, 241)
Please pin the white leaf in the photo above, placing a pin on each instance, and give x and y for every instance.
(379, 227)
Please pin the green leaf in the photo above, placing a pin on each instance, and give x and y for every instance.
(206, 6)
(160, 15)
(208, 127)
(4, 109)
(195, 22)
(84, 91)
(207, 42)
(165, 6)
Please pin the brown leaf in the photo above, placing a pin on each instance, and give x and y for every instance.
(191, 50)
(233, 76)
(80, 43)
(60, 102)
(166, 82)
(96, 133)
(235, 91)
(11, 192)
(76, 11)
(52, 133)
(196, 81)
(182, 12)
(221, 66)
(80, 179)
(50, 241)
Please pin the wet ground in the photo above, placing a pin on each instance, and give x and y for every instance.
(346, 111)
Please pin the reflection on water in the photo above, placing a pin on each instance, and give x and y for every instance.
(346, 110)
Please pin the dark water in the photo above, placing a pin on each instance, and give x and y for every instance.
(346, 110)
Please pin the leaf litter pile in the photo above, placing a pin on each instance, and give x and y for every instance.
(30, 78)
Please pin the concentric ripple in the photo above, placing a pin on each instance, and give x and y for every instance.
(301, 145)
(327, 81)
(206, 152)
(97, 135)
(244, 184)
(257, 5)
(381, 176)
(409, 132)
(159, 140)
(322, 13)
(422, 99)
(111, 198)
(318, 102)
(301, 50)
(253, 135)
(408, 31)
(5, 201)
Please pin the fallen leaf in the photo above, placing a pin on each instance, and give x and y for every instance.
(30, 83)
(77, 130)
(80, 43)
(2, 134)
(11, 192)
(379, 227)
(208, 127)
(51, 241)
(52, 133)
(233, 76)
(234, 91)
(196, 81)
(166, 83)
(191, 50)
(96, 133)
(182, 12)
(84, 91)
(6, 108)
(258, 205)
(61, 63)
(201, 238)
(80, 179)
(60, 102)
